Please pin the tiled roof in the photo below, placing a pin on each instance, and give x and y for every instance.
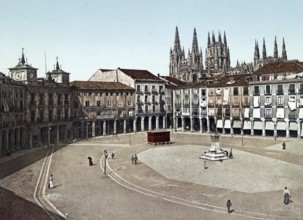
(139, 74)
(99, 85)
(281, 67)
(174, 80)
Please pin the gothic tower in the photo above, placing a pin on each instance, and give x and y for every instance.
(284, 54)
(186, 69)
(217, 58)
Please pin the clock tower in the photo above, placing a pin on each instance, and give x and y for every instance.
(23, 71)
(58, 75)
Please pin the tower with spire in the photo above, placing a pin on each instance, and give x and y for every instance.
(23, 71)
(58, 75)
(217, 58)
(258, 61)
(186, 69)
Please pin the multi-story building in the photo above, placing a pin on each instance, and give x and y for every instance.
(12, 115)
(266, 103)
(150, 95)
(101, 108)
(46, 118)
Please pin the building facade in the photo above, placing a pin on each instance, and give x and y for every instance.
(150, 104)
(102, 108)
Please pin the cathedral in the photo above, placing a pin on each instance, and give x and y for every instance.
(259, 62)
(217, 58)
(191, 69)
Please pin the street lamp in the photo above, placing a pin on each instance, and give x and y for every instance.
(105, 157)
(87, 130)
(48, 136)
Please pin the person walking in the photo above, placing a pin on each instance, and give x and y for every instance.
(113, 155)
(286, 195)
(90, 161)
(284, 146)
(205, 165)
(136, 158)
(133, 159)
(228, 205)
(51, 182)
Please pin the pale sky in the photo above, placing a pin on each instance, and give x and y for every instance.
(137, 34)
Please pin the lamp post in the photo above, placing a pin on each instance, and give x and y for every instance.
(48, 136)
(87, 130)
(105, 157)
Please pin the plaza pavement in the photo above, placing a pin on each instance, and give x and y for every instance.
(253, 180)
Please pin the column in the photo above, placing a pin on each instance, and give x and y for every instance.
(263, 127)
(165, 124)
(231, 127)
(299, 129)
(124, 126)
(57, 134)
(275, 128)
(223, 123)
(30, 138)
(252, 127)
(208, 125)
(115, 126)
(201, 125)
(48, 136)
(135, 125)
(242, 126)
(142, 124)
(104, 127)
(157, 122)
(287, 127)
(191, 123)
(149, 123)
(93, 128)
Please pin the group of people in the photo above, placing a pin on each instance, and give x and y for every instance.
(230, 154)
(134, 159)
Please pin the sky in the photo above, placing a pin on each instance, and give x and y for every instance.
(87, 35)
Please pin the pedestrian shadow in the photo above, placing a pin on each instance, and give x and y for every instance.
(231, 211)
(57, 186)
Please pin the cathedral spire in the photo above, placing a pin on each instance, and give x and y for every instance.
(264, 56)
(57, 64)
(220, 40)
(225, 42)
(195, 47)
(208, 40)
(275, 49)
(22, 61)
(284, 54)
(257, 54)
(213, 38)
(177, 46)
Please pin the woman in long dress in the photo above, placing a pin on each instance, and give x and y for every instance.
(286, 194)
(51, 181)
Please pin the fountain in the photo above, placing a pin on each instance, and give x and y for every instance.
(215, 152)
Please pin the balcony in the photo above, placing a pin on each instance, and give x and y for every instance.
(139, 91)
(146, 91)
(177, 105)
(268, 116)
(279, 92)
(161, 91)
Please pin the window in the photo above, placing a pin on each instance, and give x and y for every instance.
(267, 100)
(109, 103)
(268, 112)
(146, 88)
(154, 108)
(291, 89)
(87, 103)
(280, 100)
(203, 92)
(301, 89)
(280, 90)
(267, 89)
(236, 92)
(98, 103)
(245, 90)
(138, 88)
(129, 103)
(256, 90)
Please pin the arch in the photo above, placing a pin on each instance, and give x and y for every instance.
(138, 124)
